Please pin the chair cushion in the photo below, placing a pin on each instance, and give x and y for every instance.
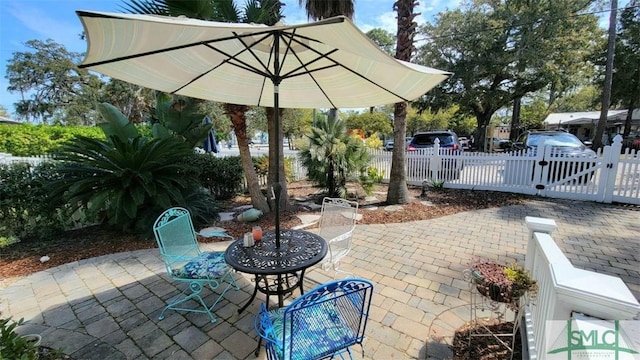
(209, 264)
(317, 332)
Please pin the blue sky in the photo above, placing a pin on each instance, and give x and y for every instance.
(24, 20)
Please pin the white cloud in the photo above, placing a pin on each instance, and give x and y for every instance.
(47, 26)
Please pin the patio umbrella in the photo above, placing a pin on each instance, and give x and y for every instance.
(210, 144)
(325, 64)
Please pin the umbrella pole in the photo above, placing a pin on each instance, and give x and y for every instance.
(277, 187)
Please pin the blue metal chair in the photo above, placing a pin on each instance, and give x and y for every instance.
(324, 322)
(185, 262)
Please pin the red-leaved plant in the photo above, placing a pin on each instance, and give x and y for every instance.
(502, 283)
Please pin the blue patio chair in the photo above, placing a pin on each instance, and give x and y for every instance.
(185, 262)
(324, 322)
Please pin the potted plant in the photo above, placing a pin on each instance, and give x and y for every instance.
(14, 345)
(502, 283)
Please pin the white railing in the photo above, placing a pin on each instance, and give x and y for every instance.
(564, 289)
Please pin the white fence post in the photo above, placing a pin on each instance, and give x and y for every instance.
(435, 160)
(610, 159)
(540, 225)
(564, 289)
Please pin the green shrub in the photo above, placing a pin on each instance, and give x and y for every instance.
(221, 176)
(261, 165)
(13, 345)
(128, 183)
(373, 141)
(26, 210)
(30, 140)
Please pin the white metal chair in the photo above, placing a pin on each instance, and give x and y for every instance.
(185, 262)
(336, 225)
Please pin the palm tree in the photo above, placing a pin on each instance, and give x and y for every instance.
(322, 9)
(333, 156)
(255, 11)
(398, 193)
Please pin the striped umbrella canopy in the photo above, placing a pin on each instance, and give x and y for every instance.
(324, 64)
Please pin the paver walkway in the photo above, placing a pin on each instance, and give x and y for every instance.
(107, 307)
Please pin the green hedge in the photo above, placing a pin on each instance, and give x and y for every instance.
(26, 209)
(30, 140)
(222, 176)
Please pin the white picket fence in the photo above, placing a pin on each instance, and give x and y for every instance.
(564, 290)
(610, 176)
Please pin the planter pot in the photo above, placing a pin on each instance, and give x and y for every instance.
(494, 291)
(34, 339)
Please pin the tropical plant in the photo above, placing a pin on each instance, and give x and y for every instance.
(322, 9)
(179, 116)
(129, 179)
(255, 11)
(398, 193)
(12, 344)
(333, 157)
(127, 183)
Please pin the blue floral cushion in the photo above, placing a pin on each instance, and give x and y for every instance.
(316, 332)
(208, 265)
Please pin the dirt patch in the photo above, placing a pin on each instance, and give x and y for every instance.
(23, 258)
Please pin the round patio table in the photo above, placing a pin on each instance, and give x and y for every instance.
(277, 271)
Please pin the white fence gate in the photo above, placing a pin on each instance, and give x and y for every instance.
(607, 177)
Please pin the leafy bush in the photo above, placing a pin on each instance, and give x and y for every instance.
(13, 345)
(127, 183)
(29, 140)
(261, 164)
(369, 178)
(221, 176)
(26, 210)
(333, 157)
(373, 141)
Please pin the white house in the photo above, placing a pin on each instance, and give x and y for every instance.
(583, 124)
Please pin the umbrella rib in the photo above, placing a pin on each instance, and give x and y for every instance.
(169, 49)
(232, 60)
(326, 56)
(228, 60)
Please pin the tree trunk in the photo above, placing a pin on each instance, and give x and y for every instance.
(515, 119)
(608, 76)
(238, 119)
(627, 120)
(275, 140)
(398, 193)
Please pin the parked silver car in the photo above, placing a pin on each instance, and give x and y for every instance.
(563, 144)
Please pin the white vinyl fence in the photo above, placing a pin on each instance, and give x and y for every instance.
(610, 176)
